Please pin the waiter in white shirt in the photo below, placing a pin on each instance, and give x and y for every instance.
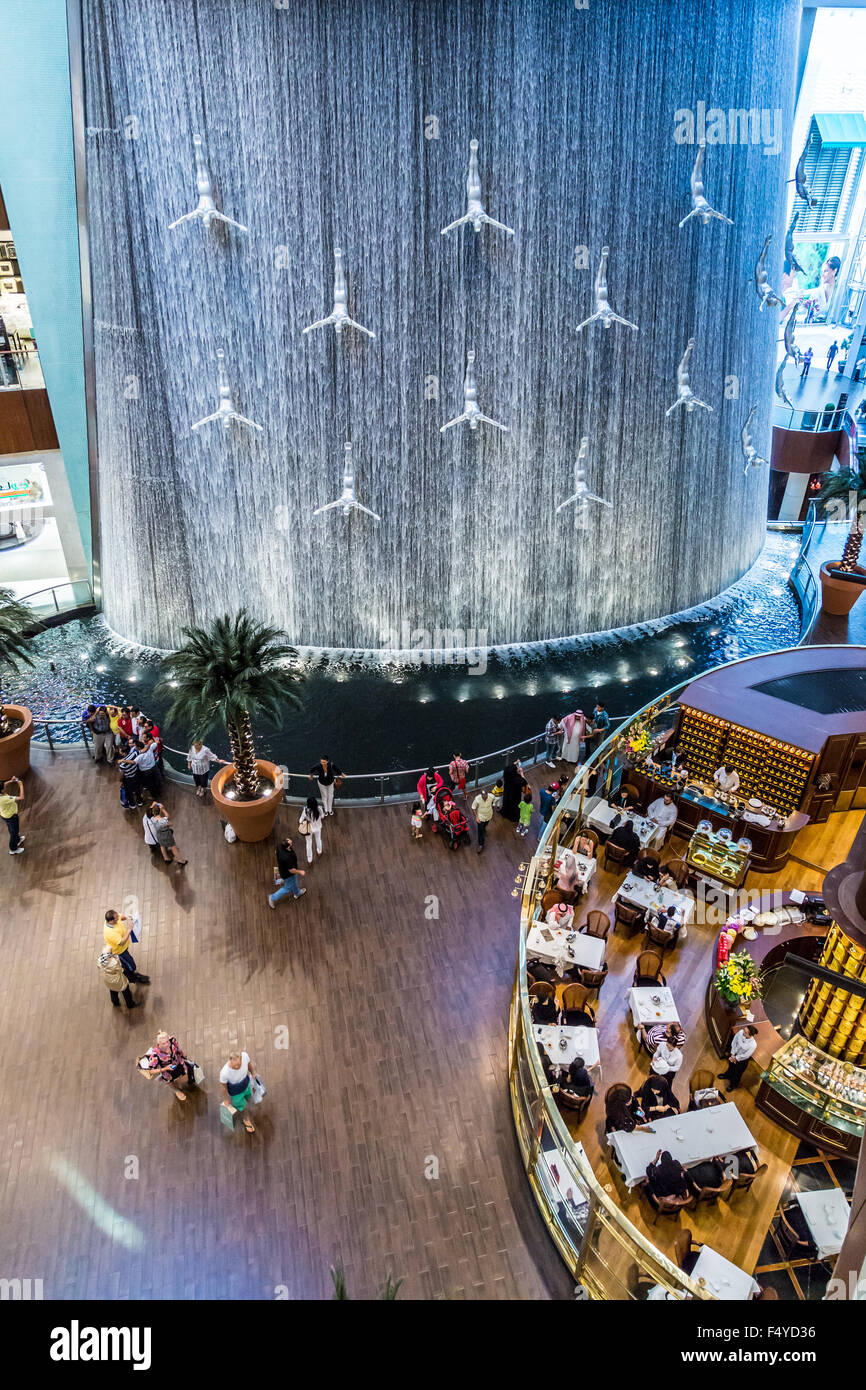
(728, 778)
(663, 812)
(743, 1045)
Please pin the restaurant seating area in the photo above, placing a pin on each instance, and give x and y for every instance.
(722, 1224)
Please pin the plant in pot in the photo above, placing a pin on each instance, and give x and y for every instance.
(842, 580)
(739, 980)
(18, 623)
(225, 674)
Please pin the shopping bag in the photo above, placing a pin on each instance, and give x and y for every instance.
(259, 1089)
(227, 1116)
(230, 834)
(135, 934)
(197, 1074)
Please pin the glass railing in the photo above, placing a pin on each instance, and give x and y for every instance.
(813, 421)
(59, 598)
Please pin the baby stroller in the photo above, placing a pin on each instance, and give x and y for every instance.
(451, 822)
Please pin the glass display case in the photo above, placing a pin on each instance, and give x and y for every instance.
(820, 1086)
(717, 855)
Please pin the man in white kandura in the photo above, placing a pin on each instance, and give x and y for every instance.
(663, 813)
(603, 312)
(206, 209)
(339, 315)
(581, 497)
(471, 411)
(226, 411)
(750, 453)
(766, 294)
(700, 206)
(685, 394)
(475, 212)
(347, 501)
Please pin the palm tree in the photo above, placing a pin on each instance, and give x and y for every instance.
(848, 484)
(226, 673)
(17, 624)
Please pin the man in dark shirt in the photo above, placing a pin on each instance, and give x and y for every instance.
(325, 773)
(286, 874)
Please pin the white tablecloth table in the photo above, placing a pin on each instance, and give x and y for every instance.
(584, 950)
(582, 1042)
(720, 1129)
(727, 1281)
(826, 1213)
(643, 1010)
(602, 813)
(642, 893)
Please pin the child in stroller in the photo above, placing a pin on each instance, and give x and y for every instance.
(453, 823)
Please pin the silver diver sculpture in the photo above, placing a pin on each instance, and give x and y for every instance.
(347, 501)
(206, 209)
(700, 206)
(475, 210)
(685, 394)
(581, 497)
(750, 453)
(763, 289)
(471, 411)
(603, 312)
(225, 412)
(792, 351)
(339, 315)
(799, 180)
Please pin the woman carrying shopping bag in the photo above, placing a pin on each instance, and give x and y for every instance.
(310, 826)
(238, 1077)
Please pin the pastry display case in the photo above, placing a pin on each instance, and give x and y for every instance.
(815, 1096)
(717, 855)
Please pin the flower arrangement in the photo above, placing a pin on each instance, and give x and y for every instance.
(637, 741)
(739, 979)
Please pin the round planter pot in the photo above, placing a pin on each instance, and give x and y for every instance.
(250, 820)
(839, 595)
(15, 748)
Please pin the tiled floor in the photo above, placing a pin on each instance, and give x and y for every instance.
(802, 1279)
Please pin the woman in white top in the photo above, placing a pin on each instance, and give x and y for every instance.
(310, 826)
(198, 760)
(236, 1079)
(667, 1058)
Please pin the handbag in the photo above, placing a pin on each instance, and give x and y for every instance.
(197, 1073)
(304, 827)
(259, 1089)
(338, 782)
(227, 1116)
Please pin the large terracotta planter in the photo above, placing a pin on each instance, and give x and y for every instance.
(15, 748)
(839, 595)
(250, 820)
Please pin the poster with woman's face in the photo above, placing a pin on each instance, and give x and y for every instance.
(810, 275)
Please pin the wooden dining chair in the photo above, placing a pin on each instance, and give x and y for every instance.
(657, 937)
(668, 1206)
(638, 1283)
(648, 969)
(679, 871)
(618, 856)
(686, 1250)
(574, 1003)
(711, 1195)
(743, 1181)
(630, 917)
(596, 924)
(576, 1106)
(542, 990)
(766, 1295)
(619, 1089)
(702, 1079)
(591, 838)
(631, 792)
(594, 979)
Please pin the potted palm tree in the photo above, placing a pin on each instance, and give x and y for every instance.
(842, 580)
(17, 625)
(225, 674)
